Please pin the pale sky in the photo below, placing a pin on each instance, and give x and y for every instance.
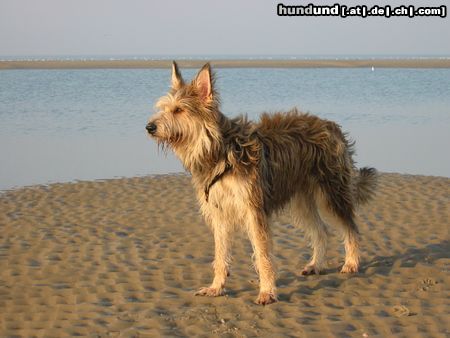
(209, 27)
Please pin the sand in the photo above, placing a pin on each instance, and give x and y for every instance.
(98, 64)
(123, 258)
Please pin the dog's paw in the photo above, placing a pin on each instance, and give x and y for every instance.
(266, 298)
(349, 268)
(311, 269)
(210, 292)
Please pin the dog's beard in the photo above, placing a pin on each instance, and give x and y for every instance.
(163, 146)
(170, 143)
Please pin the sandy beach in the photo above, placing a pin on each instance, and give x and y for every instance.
(269, 63)
(123, 258)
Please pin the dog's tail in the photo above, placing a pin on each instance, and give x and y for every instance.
(365, 184)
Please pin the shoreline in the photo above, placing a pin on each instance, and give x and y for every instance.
(161, 64)
(163, 176)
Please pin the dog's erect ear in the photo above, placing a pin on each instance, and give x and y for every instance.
(204, 82)
(177, 80)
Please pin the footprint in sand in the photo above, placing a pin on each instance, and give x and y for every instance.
(402, 311)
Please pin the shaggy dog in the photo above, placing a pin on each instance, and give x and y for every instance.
(244, 171)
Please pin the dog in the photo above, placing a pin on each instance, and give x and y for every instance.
(244, 172)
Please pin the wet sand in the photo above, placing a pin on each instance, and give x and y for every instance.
(123, 258)
(98, 64)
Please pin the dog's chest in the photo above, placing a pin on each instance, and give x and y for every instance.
(228, 199)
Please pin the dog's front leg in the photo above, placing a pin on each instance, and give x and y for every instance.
(260, 238)
(221, 262)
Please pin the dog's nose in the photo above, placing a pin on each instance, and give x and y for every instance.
(151, 128)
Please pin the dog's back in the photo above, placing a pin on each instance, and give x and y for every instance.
(305, 153)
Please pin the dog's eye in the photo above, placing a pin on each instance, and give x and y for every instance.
(177, 110)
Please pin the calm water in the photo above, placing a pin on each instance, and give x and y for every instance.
(65, 125)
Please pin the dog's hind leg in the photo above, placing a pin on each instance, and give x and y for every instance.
(305, 215)
(350, 234)
(260, 238)
(222, 244)
(351, 243)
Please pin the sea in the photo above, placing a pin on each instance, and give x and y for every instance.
(71, 125)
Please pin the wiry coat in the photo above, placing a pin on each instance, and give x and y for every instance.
(244, 171)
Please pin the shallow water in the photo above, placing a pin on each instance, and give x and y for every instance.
(65, 125)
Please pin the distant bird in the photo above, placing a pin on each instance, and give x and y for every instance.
(373, 68)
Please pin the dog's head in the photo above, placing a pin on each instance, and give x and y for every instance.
(187, 117)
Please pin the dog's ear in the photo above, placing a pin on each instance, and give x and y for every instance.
(177, 80)
(204, 82)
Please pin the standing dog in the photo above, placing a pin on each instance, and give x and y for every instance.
(244, 171)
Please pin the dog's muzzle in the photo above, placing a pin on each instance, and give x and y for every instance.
(151, 128)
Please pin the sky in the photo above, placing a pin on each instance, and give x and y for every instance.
(210, 27)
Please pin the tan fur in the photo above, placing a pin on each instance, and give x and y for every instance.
(245, 171)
